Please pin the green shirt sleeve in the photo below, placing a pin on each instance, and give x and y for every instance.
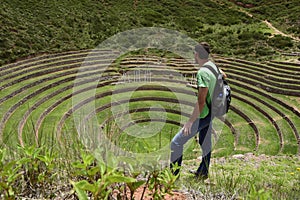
(204, 80)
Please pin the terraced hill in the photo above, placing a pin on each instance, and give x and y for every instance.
(150, 93)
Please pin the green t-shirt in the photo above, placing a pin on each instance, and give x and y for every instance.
(205, 78)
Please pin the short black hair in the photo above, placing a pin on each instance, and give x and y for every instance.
(203, 50)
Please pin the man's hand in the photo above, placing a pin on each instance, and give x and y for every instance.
(187, 128)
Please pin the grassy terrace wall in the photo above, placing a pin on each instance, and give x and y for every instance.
(36, 101)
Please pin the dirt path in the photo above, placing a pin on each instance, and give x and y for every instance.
(279, 32)
(276, 31)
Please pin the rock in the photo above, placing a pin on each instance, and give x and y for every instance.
(249, 154)
(238, 156)
(222, 160)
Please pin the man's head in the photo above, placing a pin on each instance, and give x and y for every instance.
(202, 51)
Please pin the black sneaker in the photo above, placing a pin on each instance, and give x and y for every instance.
(198, 176)
(201, 177)
(194, 172)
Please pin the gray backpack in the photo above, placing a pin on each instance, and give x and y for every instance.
(221, 97)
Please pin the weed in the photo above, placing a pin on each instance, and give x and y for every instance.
(9, 174)
(260, 194)
(97, 179)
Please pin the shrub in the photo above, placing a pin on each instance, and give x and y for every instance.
(264, 51)
(280, 42)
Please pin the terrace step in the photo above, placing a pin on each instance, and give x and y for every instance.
(263, 85)
(272, 121)
(38, 75)
(251, 123)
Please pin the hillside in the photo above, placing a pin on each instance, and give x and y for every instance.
(283, 14)
(34, 27)
(79, 122)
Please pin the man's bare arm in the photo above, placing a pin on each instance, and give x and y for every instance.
(202, 93)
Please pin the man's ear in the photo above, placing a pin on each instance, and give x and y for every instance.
(196, 57)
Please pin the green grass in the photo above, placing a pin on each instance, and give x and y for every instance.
(252, 177)
(289, 139)
(40, 27)
(244, 139)
(267, 132)
(288, 134)
(157, 135)
(145, 142)
(224, 145)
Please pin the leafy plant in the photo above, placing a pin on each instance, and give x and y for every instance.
(37, 164)
(162, 182)
(97, 178)
(260, 194)
(133, 186)
(48, 160)
(9, 174)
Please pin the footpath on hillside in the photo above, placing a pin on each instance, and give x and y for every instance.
(269, 24)
(278, 32)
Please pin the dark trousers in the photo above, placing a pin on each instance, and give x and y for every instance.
(204, 128)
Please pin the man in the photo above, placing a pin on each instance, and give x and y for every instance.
(200, 120)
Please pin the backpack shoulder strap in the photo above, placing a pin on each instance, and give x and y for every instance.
(213, 70)
(216, 74)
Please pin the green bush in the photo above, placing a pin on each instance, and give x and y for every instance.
(38, 26)
(263, 51)
(280, 42)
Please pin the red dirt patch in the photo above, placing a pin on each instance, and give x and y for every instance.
(148, 195)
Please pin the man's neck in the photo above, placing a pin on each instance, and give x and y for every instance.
(202, 61)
